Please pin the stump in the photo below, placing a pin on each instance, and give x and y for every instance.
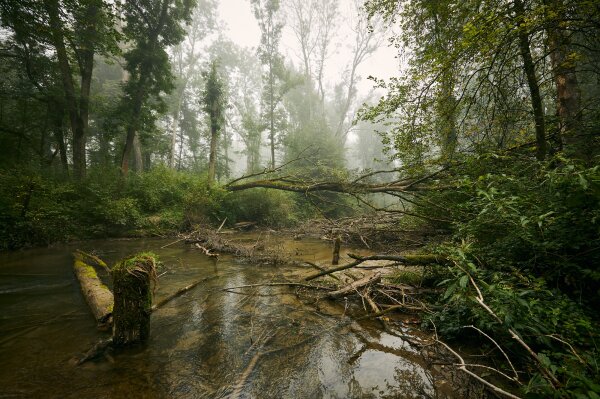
(336, 251)
(133, 281)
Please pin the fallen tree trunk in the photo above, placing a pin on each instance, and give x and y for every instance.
(97, 295)
(363, 282)
(403, 259)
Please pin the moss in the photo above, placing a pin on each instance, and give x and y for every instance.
(410, 277)
(88, 271)
(132, 280)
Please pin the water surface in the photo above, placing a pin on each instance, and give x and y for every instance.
(256, 342)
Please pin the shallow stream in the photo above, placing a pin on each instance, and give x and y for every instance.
(252, 342)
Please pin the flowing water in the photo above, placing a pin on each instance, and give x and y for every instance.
(252, 342)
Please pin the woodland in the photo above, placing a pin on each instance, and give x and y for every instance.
(141, 119)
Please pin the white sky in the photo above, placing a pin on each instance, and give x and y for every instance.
(244, 30)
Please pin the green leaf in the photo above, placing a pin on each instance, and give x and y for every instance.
(451, 289)
(464, 280)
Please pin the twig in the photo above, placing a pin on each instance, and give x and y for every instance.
(207, 251)
(479, 298)
(516, 379)
(366, 281)
(553, 336)
(174, 242)
(178, 293)
(221, 226)
(278, 284)
(463, 366)
(407, 259)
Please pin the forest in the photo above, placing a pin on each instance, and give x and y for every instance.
(473, 165)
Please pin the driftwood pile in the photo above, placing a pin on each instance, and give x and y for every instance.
(378, 231)
(211, 243)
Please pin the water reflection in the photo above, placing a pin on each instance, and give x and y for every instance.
(257, 342)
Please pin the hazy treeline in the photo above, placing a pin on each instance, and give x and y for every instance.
(98, 83)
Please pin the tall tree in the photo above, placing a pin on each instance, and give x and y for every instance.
(267, 14)
(76, 31)
(151, 26)
(213, 104)
(506, 60)
(185, 59)
(367, 38)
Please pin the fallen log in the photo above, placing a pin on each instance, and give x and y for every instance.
(92, 260)
(363, 282)
(96, 294)
(404, 259)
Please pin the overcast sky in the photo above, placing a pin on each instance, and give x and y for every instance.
(243, 30)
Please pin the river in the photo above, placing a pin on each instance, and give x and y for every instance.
(256, 342)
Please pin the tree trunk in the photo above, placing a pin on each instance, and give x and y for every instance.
(272, 116)
(174, 128)
(57, 122)
(138, 160)
(534, 89)
(212, 160)
(568, 97)
(78, 112)
(132, 126)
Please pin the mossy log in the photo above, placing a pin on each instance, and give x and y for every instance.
(133, 279)
(97, 295)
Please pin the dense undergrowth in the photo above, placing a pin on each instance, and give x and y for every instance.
(38, 210)
(525, 243)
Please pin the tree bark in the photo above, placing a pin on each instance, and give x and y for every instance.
(132, 280)
(568, 97)
(57, 110)
(138, 160)
(133, 126)
(212, 160)
(532, 82)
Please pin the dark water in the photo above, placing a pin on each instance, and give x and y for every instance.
(258, 342)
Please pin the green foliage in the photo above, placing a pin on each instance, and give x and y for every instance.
(558, 328)
(38, 210)
(540, 220)
(527, 236)
(265, 207)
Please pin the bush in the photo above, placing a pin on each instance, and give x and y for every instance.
(265, 207)
(527, 236)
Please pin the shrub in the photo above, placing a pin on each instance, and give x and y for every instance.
(265, 207)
